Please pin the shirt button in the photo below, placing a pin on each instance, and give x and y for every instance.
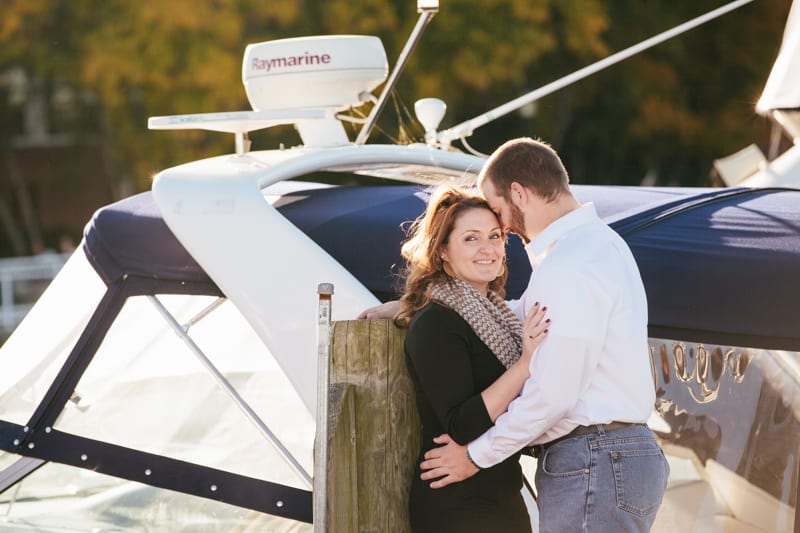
(586, 471)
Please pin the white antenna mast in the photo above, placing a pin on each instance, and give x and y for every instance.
(465, 129)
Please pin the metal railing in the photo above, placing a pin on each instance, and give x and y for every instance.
(22, 281)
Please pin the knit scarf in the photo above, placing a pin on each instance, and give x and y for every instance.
(489, 317)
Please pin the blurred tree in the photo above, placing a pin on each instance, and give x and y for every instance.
(665, 114)
(477, 55)
(162, 58)
(661, 116)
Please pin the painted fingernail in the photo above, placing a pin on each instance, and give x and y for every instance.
(544, 308)
(547, 321)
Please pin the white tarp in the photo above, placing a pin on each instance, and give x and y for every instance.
(783, 86)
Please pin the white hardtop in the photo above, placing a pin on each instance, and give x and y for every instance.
(308, 82)
(205, 202)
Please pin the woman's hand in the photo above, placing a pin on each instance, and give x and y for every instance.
(534, 331)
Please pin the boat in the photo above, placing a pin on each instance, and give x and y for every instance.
(167, 378)
(780, 102)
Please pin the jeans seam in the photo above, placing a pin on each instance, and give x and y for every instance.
(597, 443)
(636, 453)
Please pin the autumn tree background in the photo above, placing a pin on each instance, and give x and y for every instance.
(78, 79)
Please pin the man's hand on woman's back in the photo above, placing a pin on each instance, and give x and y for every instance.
(385, 310)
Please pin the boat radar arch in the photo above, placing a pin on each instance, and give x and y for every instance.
(302, 81)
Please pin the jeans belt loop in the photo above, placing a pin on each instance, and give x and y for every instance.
(595, 429)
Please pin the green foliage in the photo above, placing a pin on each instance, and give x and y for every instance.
(669, 111)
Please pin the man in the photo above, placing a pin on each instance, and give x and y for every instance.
(590, 389)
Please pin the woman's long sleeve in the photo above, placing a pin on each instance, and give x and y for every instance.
(438, 348)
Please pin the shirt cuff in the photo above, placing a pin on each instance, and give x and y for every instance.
(481, 452)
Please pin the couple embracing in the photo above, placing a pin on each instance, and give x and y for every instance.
(563, 373)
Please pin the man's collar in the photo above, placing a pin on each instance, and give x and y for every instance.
(538, 247)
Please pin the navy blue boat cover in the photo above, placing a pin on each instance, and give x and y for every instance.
(718, 264)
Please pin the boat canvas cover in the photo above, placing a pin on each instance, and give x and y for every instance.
(718, 264)
(130, 237)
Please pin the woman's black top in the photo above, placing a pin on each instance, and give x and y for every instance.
(450, 366)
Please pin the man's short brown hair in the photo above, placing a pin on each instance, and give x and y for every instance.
(531, 163)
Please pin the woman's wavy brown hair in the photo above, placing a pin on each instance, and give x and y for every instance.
(427, 237)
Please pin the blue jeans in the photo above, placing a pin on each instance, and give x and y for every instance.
(611, 481)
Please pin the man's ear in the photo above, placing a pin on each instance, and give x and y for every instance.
(519, 194)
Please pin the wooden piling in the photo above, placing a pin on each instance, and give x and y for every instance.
(367, 361)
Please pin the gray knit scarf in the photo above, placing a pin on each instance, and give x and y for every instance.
(489, 317)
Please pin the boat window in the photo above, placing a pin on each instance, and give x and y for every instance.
(63, 498)
(38, 348)
(6, 460)
(143, 368)
(729, 422)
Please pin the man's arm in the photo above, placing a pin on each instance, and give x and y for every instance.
(448, 459)
(385, 310)
(514, 429)
(558, 374)
(392, 307)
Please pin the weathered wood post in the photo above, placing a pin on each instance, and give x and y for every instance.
(374, 431)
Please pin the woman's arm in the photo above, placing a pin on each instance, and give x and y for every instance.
(438, 351)
(502, 392)
(439, 355)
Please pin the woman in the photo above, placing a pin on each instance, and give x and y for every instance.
(466, 356)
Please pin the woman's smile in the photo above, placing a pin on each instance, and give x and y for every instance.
(476, 248)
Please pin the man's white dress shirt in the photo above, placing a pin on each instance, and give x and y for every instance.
(593, 367)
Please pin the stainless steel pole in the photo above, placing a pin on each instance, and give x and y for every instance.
(251, 415)
(426, 9)
(320, 488)
(465, 129)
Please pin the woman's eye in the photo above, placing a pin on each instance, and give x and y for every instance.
(495, 236)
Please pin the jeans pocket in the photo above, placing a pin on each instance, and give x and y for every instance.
(566, 459)
(640, 477)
